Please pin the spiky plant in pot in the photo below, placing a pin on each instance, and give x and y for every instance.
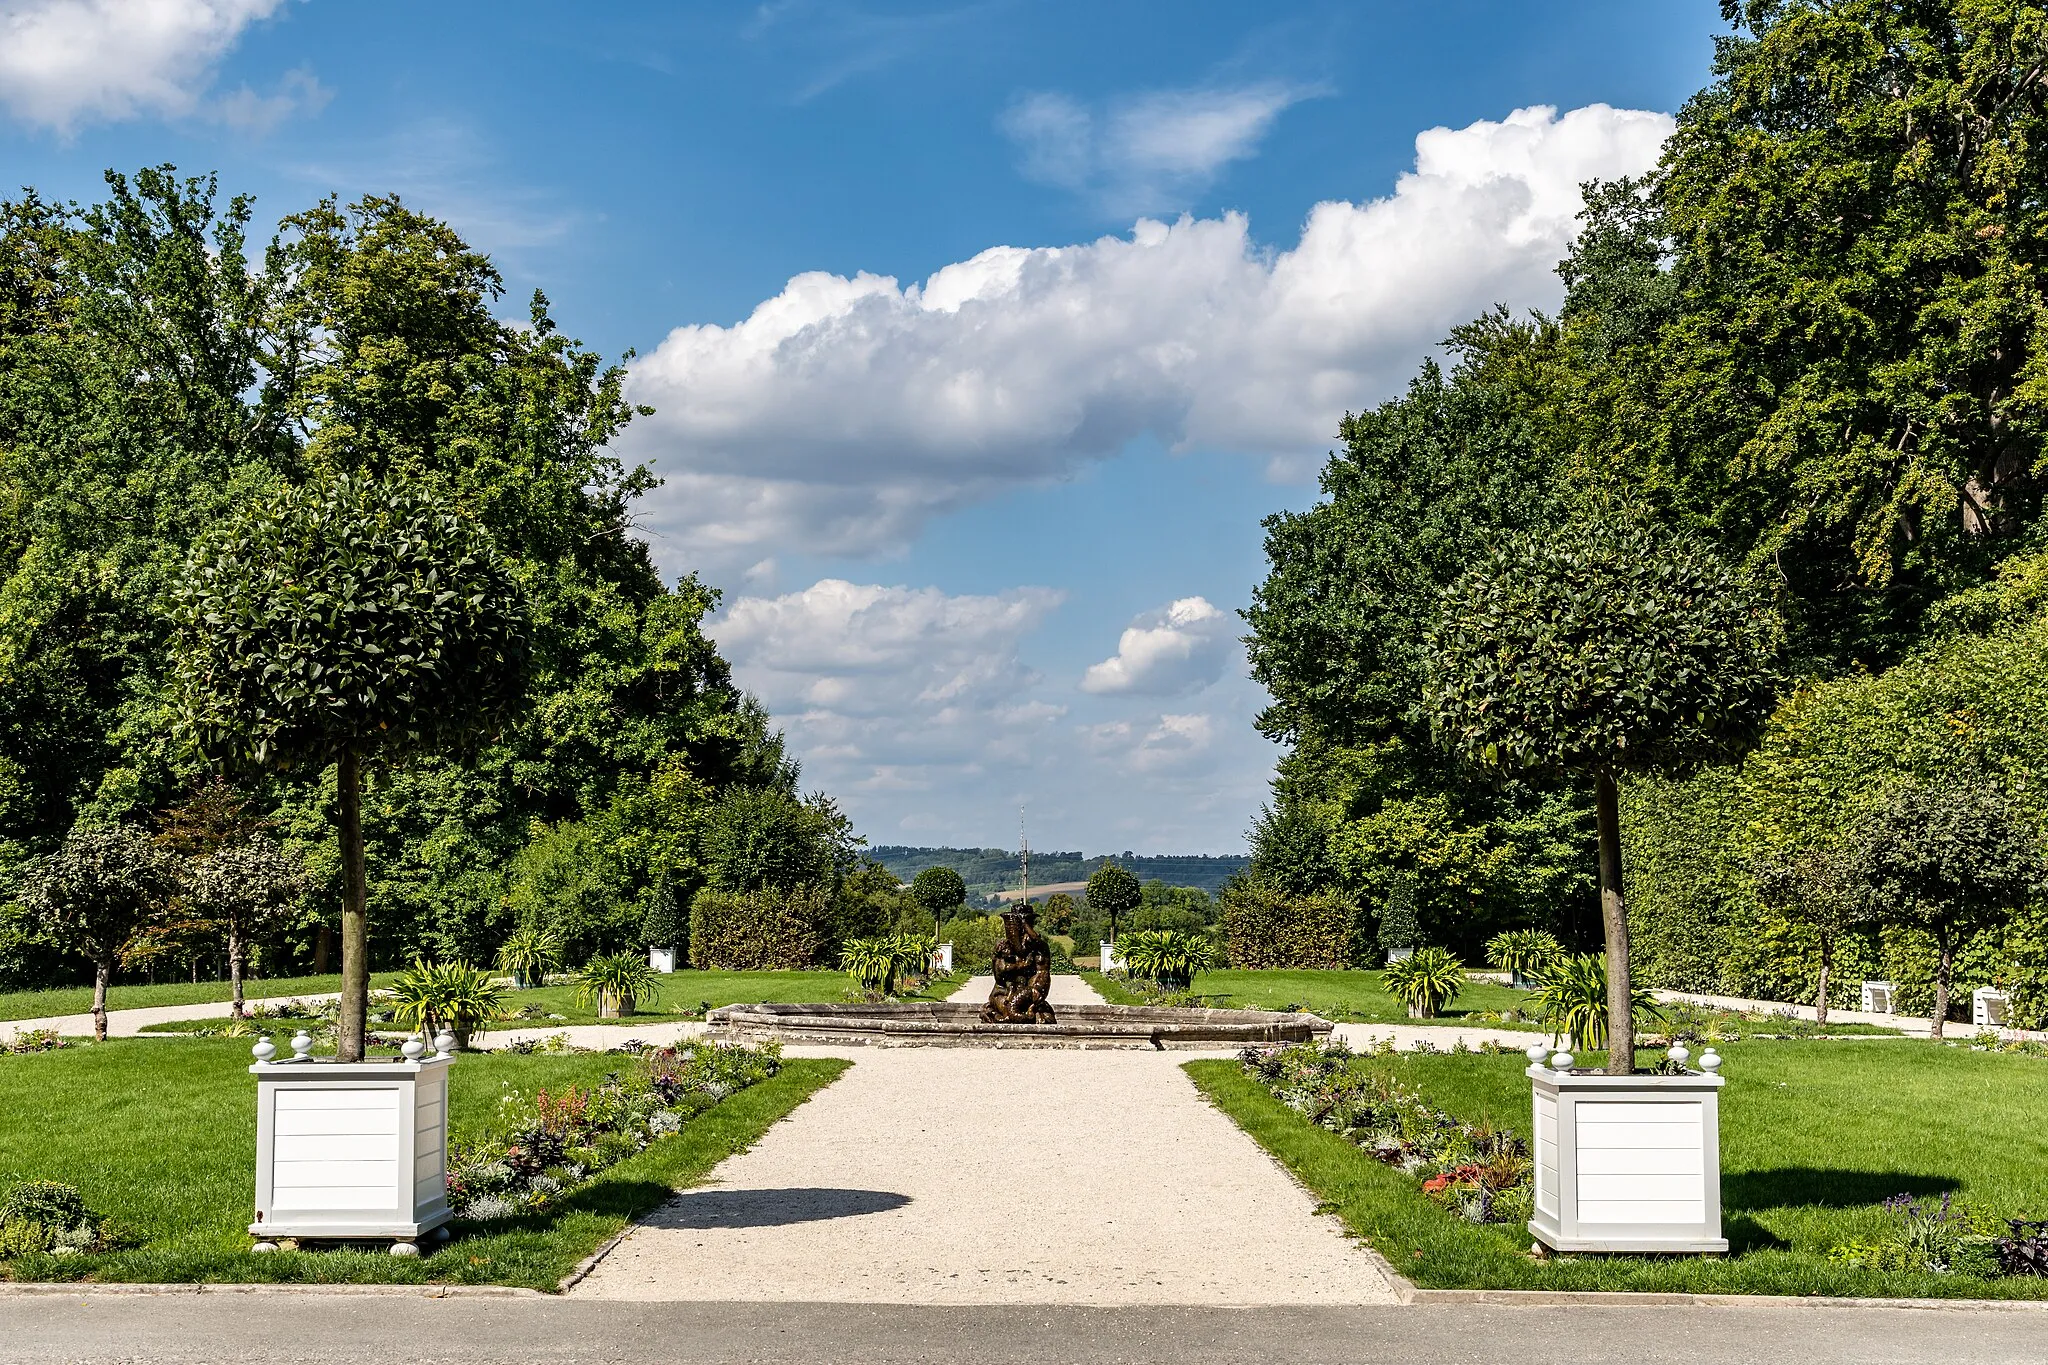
(529, 955)
(1524, 954)
(619, 983)
(1425, 981)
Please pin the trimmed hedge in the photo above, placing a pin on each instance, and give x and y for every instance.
(1264, 927)
(740, 931)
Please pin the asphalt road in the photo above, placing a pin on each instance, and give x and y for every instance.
(275, 1328)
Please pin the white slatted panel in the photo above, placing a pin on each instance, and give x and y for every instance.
(336, 1149)
(1640, 1162)
(1546, 1153)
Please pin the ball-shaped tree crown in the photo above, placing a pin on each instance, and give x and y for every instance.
(938, 889)
(92, 891)
(1114, 890)
(1604, 646)
(352, 615)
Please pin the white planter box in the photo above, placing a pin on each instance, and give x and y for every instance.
(351, 1149)
(942, 958)
(1877, 998)
(1399, 954)
(1627, 1163)
(1111, 960)
(1988, 1007)
(662, 959)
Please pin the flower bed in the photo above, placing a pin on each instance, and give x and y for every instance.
(1480, 1172)
(543, 1146)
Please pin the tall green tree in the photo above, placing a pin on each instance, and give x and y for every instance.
(1422, 485)
(1114, 892)
(1607, 647)
(1816, 331)
(1948, 855)
(939, 890)
(93, 892)
(347, 623)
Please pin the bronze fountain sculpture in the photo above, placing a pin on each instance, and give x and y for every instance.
(1022, 965)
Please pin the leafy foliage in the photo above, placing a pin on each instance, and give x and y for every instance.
(1169, 957)
(431, 996)
(939, 890)
(618, 982)
(1265, 927)
(530, 954)
(1425, 981)
(93, 893)
(757, 930)
(1572, 997)
(1114, 892)
(1524, 952)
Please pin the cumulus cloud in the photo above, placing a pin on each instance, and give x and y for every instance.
(884, 685)
(842, 413)
(1178, 649)
(921, 711)
(1145, 152)
(63, 62)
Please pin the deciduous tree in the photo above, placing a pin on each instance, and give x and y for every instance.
(91, 895)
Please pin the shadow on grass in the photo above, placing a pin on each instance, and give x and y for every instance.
(1745, 1234)
(1789, 1187)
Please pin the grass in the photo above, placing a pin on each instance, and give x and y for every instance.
(163, 1138)
(78, 999)
(1357, 997)
(1814, 1136)
(682, 995)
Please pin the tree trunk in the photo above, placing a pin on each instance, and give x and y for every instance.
(235, 970)
(101, 971)
(1820, 998)
(323, 949)
(355, 915)
(1944, 965)
(1621, 1022)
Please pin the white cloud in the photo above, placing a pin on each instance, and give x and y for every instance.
(1147, 152)
(298, 92)
(66, 61)
(842, 413)
(1178, 649)
(921, 711)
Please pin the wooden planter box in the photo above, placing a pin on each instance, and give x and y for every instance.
(942, 959)
(351, 1149)
(662, 959)
(1111, 960)
(1877, 998)
(1627, 1163)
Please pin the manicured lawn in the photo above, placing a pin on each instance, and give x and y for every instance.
(162, 1136)
(1345, 997)
(682, 996)
(1814, 1136)
(78, 999)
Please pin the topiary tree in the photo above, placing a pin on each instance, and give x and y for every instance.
(248, 889)
(93, 893)
(1400, 931)
(667, 923)
(1600, 649)
(1115, 892)
(1949, 855)
(348, 623)
(939, 890)
(1821, 886)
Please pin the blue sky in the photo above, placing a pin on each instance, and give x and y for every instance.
(984, 516)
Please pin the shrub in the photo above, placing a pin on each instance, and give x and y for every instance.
(1425, 981)
(431, 996)
(1573, 1000)
(875, 963)
(618, 982)
(1170, 957)
(1264, 927)
(666, 923)
(43, 1216)
(974, 939)
(757, 930)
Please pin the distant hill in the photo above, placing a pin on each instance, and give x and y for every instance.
(988, 870)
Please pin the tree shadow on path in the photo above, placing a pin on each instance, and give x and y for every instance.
(717, 1208)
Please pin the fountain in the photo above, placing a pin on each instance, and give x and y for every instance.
(1017, 1014)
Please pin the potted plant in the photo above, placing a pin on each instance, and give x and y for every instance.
(529, 955)
(619, 983)
(1169, 957)
(455, 996)
(1524, 954)
(1425, 981)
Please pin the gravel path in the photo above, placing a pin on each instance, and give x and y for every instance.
(130, 1023)
(957, 1176)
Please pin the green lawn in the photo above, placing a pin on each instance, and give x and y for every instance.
(682, 996)
(1814, 1136)
(163, 1137)
(78, 999)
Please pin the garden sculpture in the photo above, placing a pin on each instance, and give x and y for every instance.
(1023, 972)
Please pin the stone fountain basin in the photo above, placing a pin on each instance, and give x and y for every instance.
(958, 1024)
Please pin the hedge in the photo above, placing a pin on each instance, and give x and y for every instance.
(759, 930)
(1264, 927)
